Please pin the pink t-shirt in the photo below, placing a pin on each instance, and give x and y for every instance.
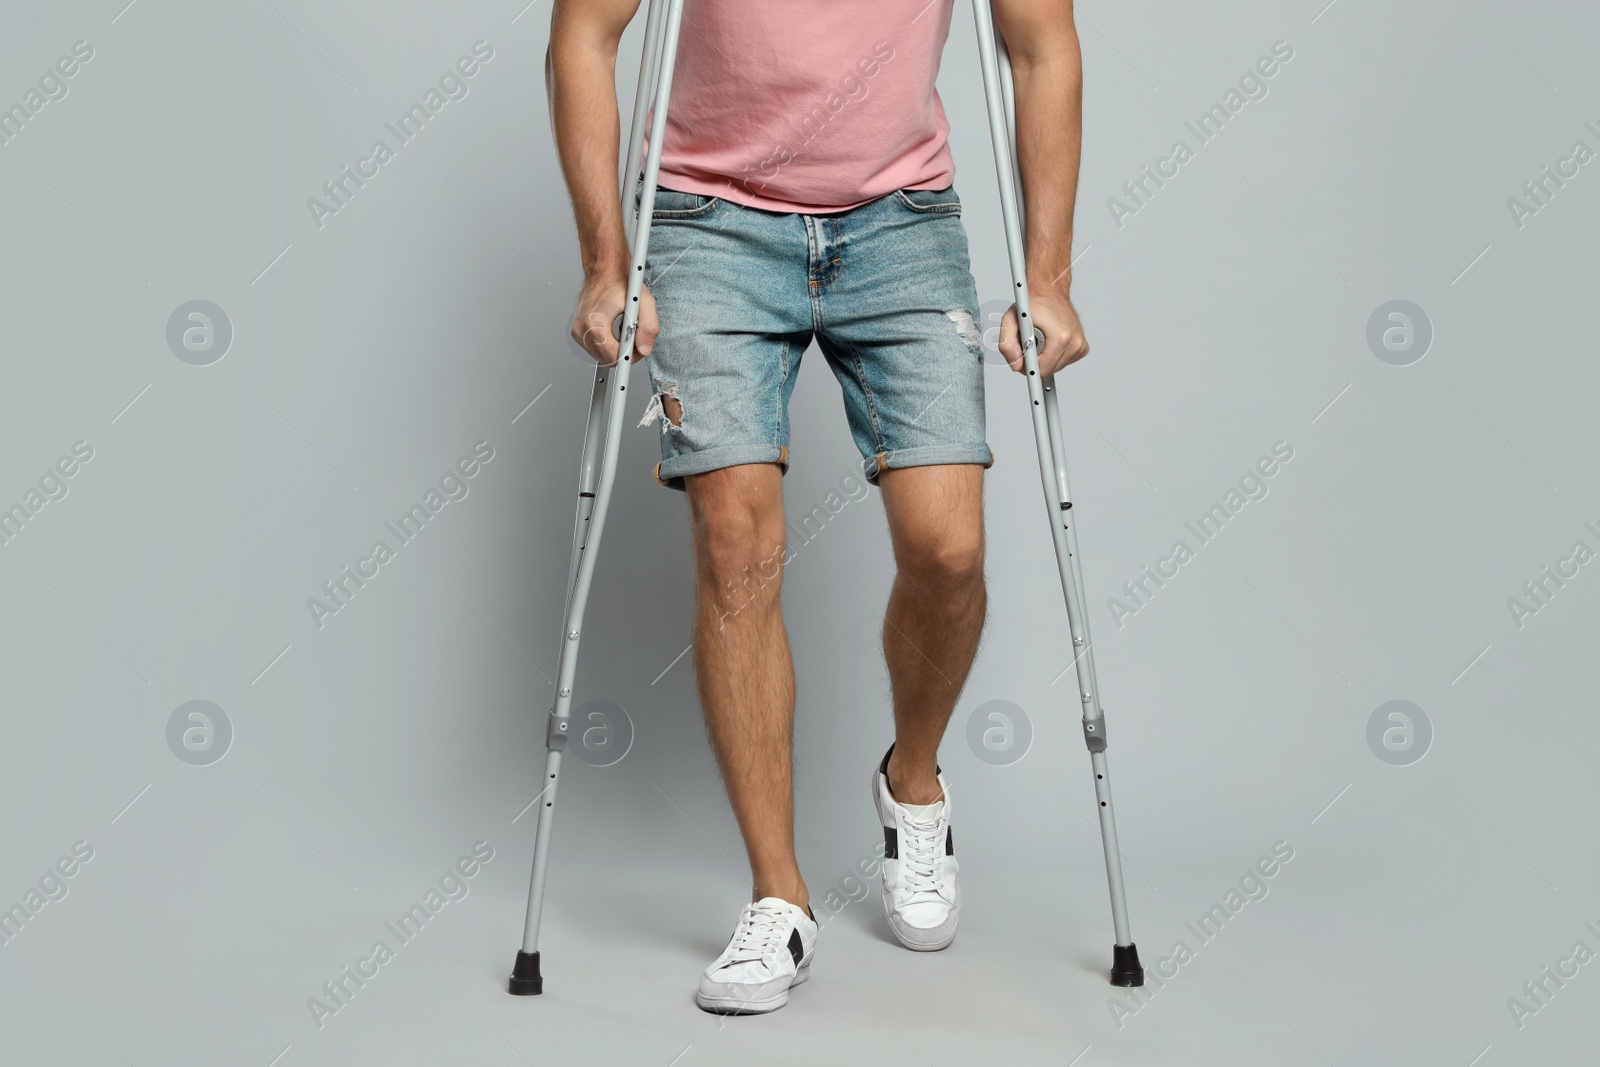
(807, 105)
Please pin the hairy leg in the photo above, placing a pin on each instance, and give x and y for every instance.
(936, 611)
(742, 663)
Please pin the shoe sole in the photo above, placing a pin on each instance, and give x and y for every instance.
(744, 1006)
(884, 898)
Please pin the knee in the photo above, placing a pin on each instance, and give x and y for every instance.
(738, 540)
(946, 559)
(741, 557)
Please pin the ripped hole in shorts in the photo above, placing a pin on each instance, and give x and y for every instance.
(664, 407)
(967, 328)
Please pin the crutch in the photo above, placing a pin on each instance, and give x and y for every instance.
(607, 405)
(1001, 98)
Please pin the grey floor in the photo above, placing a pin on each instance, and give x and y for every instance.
(188, 885)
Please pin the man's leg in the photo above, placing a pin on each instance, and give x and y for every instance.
(742, 663)
(936, 611)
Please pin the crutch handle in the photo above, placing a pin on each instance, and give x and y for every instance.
(1038, 339)
(616, 326)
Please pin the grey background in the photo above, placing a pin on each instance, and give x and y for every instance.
(367, 755)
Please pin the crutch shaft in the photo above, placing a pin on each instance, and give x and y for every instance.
(1048, 440)
(607, 404)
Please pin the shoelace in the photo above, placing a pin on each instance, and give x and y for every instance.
(760, 929)
(921, 860)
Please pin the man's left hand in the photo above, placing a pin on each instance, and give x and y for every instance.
(1064, 342)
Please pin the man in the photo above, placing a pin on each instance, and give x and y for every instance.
(806, 190)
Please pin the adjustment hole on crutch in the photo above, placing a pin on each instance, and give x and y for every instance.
(1102, 804)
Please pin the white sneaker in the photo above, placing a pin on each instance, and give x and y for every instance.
(921, 896)
(769, 953)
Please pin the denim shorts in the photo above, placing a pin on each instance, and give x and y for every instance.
(887, 290)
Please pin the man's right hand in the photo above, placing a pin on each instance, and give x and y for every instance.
(600, 301)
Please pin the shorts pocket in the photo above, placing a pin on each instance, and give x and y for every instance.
(673, 204)
(930, 201)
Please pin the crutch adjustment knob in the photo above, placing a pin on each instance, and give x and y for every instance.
(1125, 967)
(1094, 734)
(525, 978)
(555, 734)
